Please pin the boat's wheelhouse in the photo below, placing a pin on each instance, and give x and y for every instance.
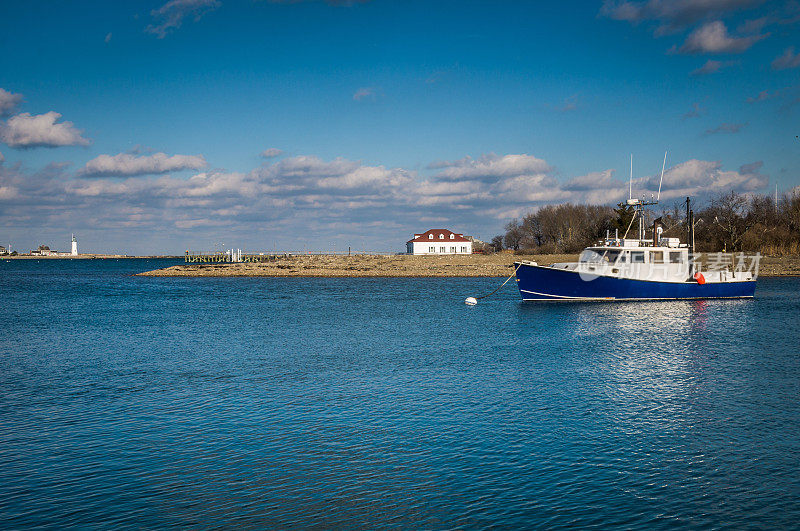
(631, 261)
(635, 259)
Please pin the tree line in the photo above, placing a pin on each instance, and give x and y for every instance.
(730, 222)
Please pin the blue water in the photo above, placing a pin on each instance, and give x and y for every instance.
(145, 402)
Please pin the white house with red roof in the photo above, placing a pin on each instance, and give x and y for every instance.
(439, 241)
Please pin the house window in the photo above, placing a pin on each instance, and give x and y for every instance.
(442, 250)
(431, 249)
(463, 249)
(452, 236)
(430, 236)
(452, 249)
(441, 236)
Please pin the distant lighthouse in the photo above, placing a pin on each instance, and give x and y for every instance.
(74, 251)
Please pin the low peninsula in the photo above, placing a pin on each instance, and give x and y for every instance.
(488, 265)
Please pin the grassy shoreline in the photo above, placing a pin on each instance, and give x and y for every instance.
(493, 265)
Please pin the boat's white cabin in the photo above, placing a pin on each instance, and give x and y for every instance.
(640, 259)
(618, 252)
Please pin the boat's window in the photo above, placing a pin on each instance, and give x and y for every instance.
(591, 256)
(675, 257)
(637, 257)
(657, 257)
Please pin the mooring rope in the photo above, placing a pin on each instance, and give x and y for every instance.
(476, 299)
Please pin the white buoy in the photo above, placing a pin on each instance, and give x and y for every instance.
(470, 301)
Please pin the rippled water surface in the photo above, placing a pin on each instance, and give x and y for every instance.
(149, 402)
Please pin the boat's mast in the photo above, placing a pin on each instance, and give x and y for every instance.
(630, 181)
(641, 224)
(690, 233)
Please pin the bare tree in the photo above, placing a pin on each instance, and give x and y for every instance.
(513, 235)
(497, 243)
(728, 213)
(731, 222)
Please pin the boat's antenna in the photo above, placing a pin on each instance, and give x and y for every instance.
(630, 182)
(664, 165)
(776, 198)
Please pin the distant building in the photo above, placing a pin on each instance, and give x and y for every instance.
(74, 251)
(439, 241)
(3, 250)
(478, 246)
(44, 250)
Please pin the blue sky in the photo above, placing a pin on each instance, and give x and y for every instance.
(142, 126)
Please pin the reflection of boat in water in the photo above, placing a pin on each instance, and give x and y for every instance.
(634, 269)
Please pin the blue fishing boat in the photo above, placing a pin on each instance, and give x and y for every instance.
(623, 269)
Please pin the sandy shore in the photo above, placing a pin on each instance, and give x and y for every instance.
(495, 265)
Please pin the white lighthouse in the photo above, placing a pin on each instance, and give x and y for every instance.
(74, 251)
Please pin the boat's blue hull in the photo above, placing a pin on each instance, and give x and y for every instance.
(549, 284)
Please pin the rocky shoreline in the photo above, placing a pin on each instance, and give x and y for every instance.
(493, 265)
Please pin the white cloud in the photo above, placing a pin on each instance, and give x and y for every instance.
(570, 104)
(713, 37)
(8, 192)
(306, 195)
(8, 102)
(170, 16)
(672, 15)
(26, 131)
(701, 177)
(490, 167)
(593, 181)
(307, 175)
(710, 67)
(271, 153)
(788, 60)
(364, 93)
(125, 164)
(338, 3)
(763, 96)
(696, 111)
(729, 128)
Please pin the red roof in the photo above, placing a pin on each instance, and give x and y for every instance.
(439, 235)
